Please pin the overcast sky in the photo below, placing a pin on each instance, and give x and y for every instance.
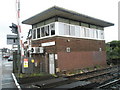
(106, 10)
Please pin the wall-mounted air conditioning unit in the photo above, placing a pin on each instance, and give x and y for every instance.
(37, 50)
(33, 49)
(41, 49)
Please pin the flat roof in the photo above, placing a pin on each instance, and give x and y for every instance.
(58, 11)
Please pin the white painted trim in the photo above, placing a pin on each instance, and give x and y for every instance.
(48, 43)
(44, 37)
(15, 80)
(68, 36)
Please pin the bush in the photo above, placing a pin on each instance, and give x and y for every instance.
(113, 51)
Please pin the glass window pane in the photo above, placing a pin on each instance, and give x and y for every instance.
(77, 31)
(52, 32)
(63, 20)
(61, 28)
(66, 30)
(102, 34)
(46, 30)
(74, 22)
(40, 24)
(96, 33)
(91, 32)
(52, 28)
(38, 33)
(92, 26)
(72, 30)
(34, 26)
(42, 32)
(100, 28)
(84, 32)
(87, 32)
(34, 34)
(85, 24)
(50, 21)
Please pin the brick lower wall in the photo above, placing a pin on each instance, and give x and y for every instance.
(79, 44)
(83, 52)
(78, 60)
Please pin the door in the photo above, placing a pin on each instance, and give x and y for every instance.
(51, 64)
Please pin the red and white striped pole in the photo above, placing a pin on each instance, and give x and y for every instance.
(19, 27)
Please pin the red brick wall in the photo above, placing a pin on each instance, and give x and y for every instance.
(78, 44)
(84, 52)
(77, 60)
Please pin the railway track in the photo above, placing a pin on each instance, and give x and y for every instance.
(94, 72)
(89, 80)
(113, 84)
(97, 78)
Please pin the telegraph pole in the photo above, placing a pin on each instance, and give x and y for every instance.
(19, 26)
(16, 29)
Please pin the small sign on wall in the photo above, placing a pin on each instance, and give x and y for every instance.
(35, 64)
(25, 63)
(48, 43)
(56, 56)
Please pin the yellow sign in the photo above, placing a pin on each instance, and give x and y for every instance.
(32, 60)
(25, 63)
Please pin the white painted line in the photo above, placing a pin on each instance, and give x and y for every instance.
(17, 84)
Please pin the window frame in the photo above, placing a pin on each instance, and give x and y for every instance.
(34, 34)
(39, 32)
(72, 30)
(47, 30)
(42, 31)
(52, 29)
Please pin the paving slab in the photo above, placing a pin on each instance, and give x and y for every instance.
(7, 81)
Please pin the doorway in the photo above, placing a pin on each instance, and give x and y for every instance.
(51, 64)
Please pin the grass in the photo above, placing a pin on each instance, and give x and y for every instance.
(87, 69)
(32, 75)
(68, 73)
(54, 75)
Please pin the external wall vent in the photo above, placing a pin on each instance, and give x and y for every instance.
(68, 49)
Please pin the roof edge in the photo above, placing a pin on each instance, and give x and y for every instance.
(66, 11)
